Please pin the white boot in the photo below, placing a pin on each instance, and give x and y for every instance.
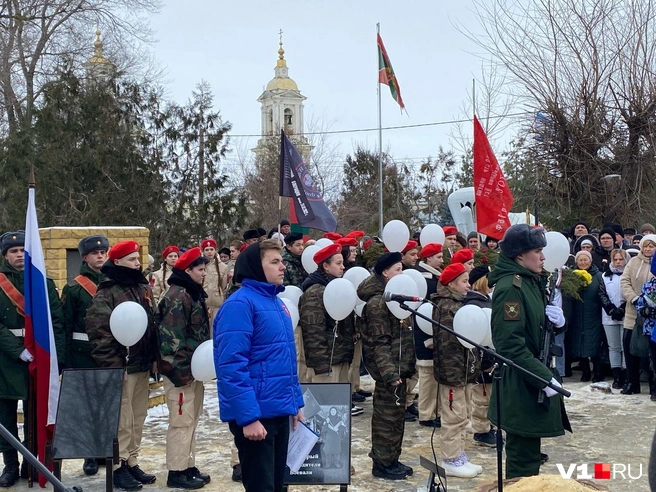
(458, 468)
(463, 456)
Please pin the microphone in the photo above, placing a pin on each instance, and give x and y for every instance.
(388, 296)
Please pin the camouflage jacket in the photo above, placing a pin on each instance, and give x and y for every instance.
(13, 371)
(295, 274)
(326, 342)
(75, 301)
(183, 325)
(453, 364)
(121, 286)
(387, 343)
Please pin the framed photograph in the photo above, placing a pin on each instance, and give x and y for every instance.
(327, 411)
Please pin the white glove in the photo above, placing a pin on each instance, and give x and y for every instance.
(551, 392)
(25, 356)
(555, 315)
(557, 299)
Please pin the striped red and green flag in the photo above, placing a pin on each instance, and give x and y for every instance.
(386, 73)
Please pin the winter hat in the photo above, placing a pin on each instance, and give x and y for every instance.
(630, 230)
(261, 232)
(478, 273)
(587, 241)
(450, 231)
(292, 237)
(647, 237)
(472, 235)
(284, 222)
(187, 258)
(11, 240)
(118, 251)
(90, 244)
(638, 237)
(616, 228)
(430, 249)
(585, 224)
(647, 227)
(387, 260)
(411, 245)
(170, 249)
(451, 272)
(462, 256)
(520, 238)
(208, 243)
(490, 238)
(608, 230)
(224, 251)
(251, 234)
(583, 253)
(325, 253)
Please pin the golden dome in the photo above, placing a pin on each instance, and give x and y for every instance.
(281, 81)
(98, 51)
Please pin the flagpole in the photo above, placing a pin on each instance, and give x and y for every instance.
(474, 108)
(380, 152)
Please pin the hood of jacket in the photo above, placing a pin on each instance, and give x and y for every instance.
(374, 285)
(249, 265)
(182, 279)
(476, 298)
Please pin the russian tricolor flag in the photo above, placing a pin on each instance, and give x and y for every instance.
(39, 335)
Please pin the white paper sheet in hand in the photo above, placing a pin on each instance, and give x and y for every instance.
(301, 442)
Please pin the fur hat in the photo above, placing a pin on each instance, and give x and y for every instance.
(387, 260)
(90, 244)
(11, 240)
(520, 238)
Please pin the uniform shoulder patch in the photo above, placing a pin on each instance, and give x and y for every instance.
(517, 281)
(511, 310)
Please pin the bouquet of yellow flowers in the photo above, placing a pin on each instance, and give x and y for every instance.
(574, 281)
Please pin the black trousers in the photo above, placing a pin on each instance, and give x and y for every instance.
(522, 456)
(632, 362)
(263, 463)
(9, 418)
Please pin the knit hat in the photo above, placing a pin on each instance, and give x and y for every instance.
(187, 258)
(170, 249)
(292, 237)
(583, 253)
(11, 240)
(450, 231)
(90, 244)
(411, 245)
(586, 241)
(520, 238)
(647, 227)
(462, 255)
(325, 253)
(647, 237)
(587, 227)
(616, 228)
(451, 272)
(209, 242)
(333, 236)
(478, 273)
(472, 235)
(251, 234)
(121, 249)
(284, 222)
(386, 260)
(608, 230)
(430, 249)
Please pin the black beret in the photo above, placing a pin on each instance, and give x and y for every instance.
(478, 273)
(251, 234)
(284, 222)
(520, 238)
(92, 243)
(386, 260)
(11, 240)
(293, 237)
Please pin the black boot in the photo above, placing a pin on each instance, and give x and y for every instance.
(598, 371)
(617, 378)
(141, 476)
(10, 473)
(182, 480)
(90, 466)
(195, 472)
(585, 368)
(124, 480)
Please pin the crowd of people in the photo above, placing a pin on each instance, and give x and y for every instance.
(603, 313)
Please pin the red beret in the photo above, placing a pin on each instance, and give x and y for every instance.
(121, 249)
(187, 258)
(450, 231)
(411, 245)
(347, 241)
(462, 255)
(430, 250)
(355, 234)
(207, 243)
(325, 253)
(451, 272)
(367, 244)
(170, 249)
(333, 236)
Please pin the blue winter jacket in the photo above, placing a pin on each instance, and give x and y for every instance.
(255, 356)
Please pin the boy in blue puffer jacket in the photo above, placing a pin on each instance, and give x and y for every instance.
(255, 361)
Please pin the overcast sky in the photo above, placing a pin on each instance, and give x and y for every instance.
(330, 47)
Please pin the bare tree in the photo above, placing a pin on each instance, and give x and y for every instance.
(37, 36)
(586, 71)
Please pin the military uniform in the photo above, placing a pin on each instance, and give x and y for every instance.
(14, 378)
(183, 326)
(215, 284)
(328, 344)
(518, 319)
(125, 284)
(389, 354)
(295, 274)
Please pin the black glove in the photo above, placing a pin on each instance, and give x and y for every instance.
(617, 314)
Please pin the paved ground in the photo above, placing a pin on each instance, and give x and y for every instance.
(608, 428)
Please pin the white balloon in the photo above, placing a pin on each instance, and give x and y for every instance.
(422, 286)
(431, 233)
(359, 308)
(396, 235)
(471, 322)
(356, 275)
(339, 298)
(292, 293)
(426, 326)
(292, 307)
(202, 362)
(556, 252)
(323, 242)
(307, 258)
(405, 285)
(487, 341)
(128, 322)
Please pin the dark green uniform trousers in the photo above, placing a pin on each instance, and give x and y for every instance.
(9, 418)
(522, 456)
(387, 423)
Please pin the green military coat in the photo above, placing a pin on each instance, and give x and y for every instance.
(13, 371)
(518, 318)
(76, 301)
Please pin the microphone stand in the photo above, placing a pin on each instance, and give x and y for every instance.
(497, 381)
